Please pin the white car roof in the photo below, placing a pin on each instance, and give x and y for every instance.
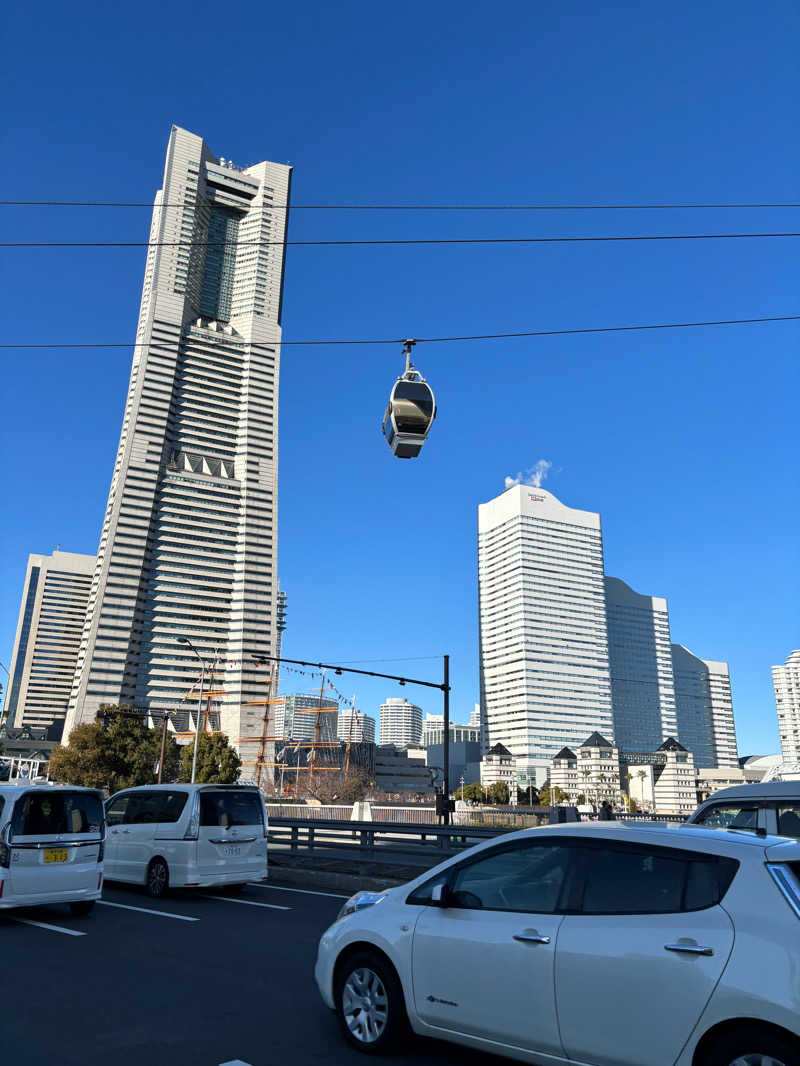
(771, 790)
(689, 837)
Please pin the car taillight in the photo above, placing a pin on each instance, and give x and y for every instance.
(787, 881)
(5, 856)
(101, 851)
(1, 889)
(193, 828)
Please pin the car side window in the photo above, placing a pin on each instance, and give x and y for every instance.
(637, 879)
(729, 816)
(789, 820)
(115, 810)
(143, 809)
(171, 806)
(526, 878)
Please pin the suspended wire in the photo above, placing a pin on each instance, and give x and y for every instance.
(428, 240)
(437, 340)
(413, 207)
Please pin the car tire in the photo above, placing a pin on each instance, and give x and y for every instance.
(752, 1046)
(370, 1004)
(157, 881)
(81, 908)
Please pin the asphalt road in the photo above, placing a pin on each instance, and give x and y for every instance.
(185, 981)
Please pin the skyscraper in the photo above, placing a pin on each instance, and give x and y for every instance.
(400, 722)
(786, 682)
(51, 620)
(545, 681)
(704, 706)
(356, 727)
(642, 686)
(189, 540)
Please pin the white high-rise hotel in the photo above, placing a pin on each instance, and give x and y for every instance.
(567, 652)
(786, 682)
(188, 545)
(545, 681)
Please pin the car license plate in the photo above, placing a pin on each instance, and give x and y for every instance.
(56, 854)
(231, 850)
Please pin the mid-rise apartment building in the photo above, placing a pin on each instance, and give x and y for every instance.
(400, 722)
(304, 717)
(51, 619)
(355, 726)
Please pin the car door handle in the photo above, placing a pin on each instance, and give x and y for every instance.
(530, 936)
(690, 949)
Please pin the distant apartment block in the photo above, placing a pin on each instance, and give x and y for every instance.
(304, 717)
(400, 723)
(786, 682)
(704, 706)
(356, 727)
(51, 620)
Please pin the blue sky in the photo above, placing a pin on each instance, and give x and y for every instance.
(684, 440)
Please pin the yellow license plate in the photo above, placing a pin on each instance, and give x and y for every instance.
(55, 854)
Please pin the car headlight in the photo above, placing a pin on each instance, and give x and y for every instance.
(359, 902)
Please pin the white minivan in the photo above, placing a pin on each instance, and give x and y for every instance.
(51, 846)
(188, 836)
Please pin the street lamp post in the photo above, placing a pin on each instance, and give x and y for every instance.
(5, 701)
(185, 640)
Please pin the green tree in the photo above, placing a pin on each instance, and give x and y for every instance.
(217, 762)
(498, 793)
(117, 752)
(472, 792)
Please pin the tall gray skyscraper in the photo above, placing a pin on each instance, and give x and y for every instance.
(642, 686)
(704, 705)
(51, 620)
(189, 540)
(545, 681)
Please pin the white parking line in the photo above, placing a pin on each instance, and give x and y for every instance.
(147, 910)
(46, 925)
(305, 891)
(235, 1062)
(248, 902)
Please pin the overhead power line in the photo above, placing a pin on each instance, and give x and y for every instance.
(437, 340)
(414, 207)
(424, 240)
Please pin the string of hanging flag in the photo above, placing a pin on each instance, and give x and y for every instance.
(315, 674)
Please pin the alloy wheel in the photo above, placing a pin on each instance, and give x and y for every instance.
(365, 1005)
(157, 879)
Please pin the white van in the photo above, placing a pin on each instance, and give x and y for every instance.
(51, 846)
(186, 836)
(772, 808)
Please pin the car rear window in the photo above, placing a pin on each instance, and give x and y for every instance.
(51, 813)
(230, 808)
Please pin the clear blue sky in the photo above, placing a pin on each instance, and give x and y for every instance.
(684, 440)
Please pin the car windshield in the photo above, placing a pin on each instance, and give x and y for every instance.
(230, 808)
(53, 813)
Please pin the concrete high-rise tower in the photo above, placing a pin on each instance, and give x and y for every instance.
(544, 670)
(51, 620)
(786, 682)
(639, 651)
(189, 540)
(704, 705)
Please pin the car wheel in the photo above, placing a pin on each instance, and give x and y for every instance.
(370, 1003)
(753, 1047)
(81, 908)
(157, 878)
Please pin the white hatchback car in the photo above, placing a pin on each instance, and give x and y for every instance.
(600, 945)
(186, 836)
(51, 846)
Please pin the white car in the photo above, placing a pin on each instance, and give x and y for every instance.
(186, 836)
(773, 807)
(587, 945)
(51, 846)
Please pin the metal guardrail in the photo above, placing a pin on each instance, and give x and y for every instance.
(403, 844)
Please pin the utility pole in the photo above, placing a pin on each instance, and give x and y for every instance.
(163, 747)
(446, 786)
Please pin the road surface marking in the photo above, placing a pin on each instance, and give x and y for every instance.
(235, 1062)
(305, 891)
(147, 910)
(46, 925)
(248, 903)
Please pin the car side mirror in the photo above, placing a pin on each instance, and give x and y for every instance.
(441, 896)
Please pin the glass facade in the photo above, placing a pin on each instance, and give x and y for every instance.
(216, 294)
